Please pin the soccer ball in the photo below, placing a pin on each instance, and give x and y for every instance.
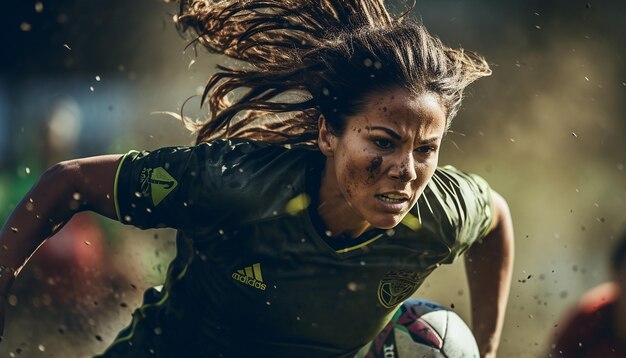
(423, 329)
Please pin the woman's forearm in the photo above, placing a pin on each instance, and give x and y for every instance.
(63, 190)
(489, 267)
(45, 209)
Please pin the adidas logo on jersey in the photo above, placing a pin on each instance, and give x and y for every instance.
(250, 276)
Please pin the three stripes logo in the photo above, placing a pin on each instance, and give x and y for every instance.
(250, 276)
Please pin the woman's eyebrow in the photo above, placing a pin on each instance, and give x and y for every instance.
(395, 135)
(386, 130)
(429, 140)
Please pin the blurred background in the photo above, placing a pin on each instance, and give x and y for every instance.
(547, 130)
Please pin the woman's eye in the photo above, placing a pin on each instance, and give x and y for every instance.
(383, 143)
(425, 150)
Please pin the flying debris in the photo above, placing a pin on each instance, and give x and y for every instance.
(25, 26)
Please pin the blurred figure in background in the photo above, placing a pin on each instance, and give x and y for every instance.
(596, 327)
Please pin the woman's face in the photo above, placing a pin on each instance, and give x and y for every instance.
(386, 155)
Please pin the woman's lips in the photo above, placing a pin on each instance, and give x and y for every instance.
(391, 203)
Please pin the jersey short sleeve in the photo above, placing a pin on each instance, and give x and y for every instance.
(175, 186)
(463, 206)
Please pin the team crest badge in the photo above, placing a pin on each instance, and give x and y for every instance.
(397, 286)
(156, 183)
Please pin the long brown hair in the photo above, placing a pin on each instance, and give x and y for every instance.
(299, 59)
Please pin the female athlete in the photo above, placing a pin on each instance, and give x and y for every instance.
(311, 205)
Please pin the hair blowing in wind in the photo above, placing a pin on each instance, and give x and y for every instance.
(297, 60)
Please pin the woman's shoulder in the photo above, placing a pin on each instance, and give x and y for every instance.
(244, 148)
(256, 179)
(458, 204)
(253, 163)
(452, 173)
(448, 180)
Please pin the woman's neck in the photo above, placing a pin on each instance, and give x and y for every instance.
(336, 212)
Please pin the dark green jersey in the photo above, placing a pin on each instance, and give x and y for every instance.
(253, 275)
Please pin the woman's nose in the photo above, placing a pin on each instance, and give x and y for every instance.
(403, 168)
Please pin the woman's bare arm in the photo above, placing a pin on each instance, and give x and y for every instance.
(63, 190)
(489, 267)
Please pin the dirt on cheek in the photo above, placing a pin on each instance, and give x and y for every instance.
(354, 176)
(374, 168)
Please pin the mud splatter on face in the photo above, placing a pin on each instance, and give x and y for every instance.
(363, 169)
(374, 167)
(404, 175)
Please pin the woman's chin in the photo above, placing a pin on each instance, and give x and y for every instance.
(386, 222)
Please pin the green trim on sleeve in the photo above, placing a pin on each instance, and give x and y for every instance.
(117, 174)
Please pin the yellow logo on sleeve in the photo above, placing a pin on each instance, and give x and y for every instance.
(161, 184)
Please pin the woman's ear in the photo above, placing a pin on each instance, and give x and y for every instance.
(325, 138)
